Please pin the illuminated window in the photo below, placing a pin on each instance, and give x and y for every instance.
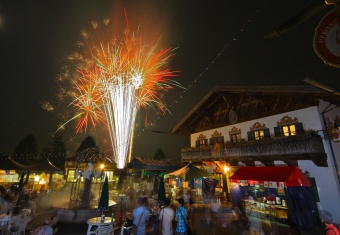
(234, 138)
(70, 175)
(259, 134)
(201, 141)
(289, 130)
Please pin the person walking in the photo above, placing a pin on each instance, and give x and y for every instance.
(166, 216)
(141, 215)
(181, 216)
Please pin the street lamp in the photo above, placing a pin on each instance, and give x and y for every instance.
(226, 187)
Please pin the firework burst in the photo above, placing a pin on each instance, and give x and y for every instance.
(118, 78)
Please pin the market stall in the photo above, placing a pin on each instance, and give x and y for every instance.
(282, 193)
(188, 179)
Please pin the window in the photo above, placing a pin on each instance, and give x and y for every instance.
(289, 129)
(219, 140)
(258, 134)
(234, 138)
(201, 141)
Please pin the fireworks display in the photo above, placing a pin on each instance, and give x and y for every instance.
(118, 78)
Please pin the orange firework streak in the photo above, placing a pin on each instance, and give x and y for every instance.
(123, 75)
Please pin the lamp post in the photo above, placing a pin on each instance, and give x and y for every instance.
(226, 186)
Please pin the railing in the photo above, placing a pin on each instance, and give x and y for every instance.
(303, 144)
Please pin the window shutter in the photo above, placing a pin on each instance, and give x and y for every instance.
(299, 128)
(250, 135)
(277, 131)
(266, 133)
(222, 140)
(205, 142)
(197, 143)
(211, 142)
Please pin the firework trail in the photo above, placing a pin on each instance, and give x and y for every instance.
(118, 78)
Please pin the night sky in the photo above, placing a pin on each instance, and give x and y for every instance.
(218, 43)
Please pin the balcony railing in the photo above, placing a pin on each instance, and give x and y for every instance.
(299, 147)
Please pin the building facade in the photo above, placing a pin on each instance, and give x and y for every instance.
(269, 126)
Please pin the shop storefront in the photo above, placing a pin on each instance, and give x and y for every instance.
(282, 194)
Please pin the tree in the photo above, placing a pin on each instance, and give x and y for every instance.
(88, 142)
(56, 152)
(88, 149)
(26, 151)
(159, 155)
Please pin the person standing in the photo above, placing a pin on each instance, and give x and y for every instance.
(181, 216)
(166, 216)
(141, 215)
(326, 219)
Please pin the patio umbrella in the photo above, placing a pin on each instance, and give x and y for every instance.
(148, 173)
(104, 197)
(50, 179)
(21, 182)
(27, 177)
(155, 184)
(189, 172)
(161, 190)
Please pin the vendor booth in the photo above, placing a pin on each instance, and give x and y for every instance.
(282, 194)
(189, 179)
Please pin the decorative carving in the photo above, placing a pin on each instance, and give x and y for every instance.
(258, 126)
(201, 137)
(216, 134)
(234, 130)
(287, 120)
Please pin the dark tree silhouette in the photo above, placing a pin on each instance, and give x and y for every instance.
(159, 155)
(56, 152)
(26, 151)
(88, 142)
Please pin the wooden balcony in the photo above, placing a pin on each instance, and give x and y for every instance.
(288, 149)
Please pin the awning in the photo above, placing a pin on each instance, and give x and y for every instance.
(45, 166)
(10, 164)
(290, 175)
(190, 172)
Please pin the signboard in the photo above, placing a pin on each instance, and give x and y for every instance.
(327, 39)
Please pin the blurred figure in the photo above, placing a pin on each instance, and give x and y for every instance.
(6, 204)
(166, 216)
(24, 202)
(141, 215)
(326, 219)
(18, 221)
(191, 213)
(181, 217)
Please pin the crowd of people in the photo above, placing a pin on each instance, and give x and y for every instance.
(20, 207)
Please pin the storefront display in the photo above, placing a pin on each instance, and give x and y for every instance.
(282, 194)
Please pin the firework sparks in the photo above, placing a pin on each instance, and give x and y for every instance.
(122, 76)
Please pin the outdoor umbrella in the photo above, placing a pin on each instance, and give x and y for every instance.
(148, 173)
(189, 172)
(50, 179)
(104, 197)
(155, 184)
(161, 190)
(21, 182)
(27, 177)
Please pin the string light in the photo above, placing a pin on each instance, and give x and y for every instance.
(231, 40)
